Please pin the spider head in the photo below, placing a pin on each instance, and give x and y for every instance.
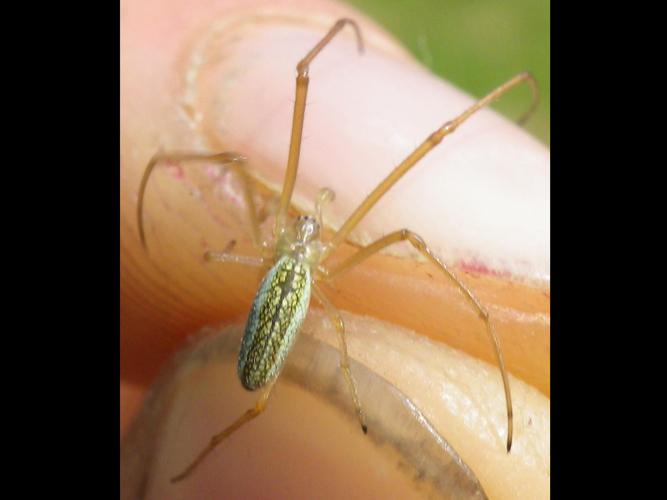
(307, 229)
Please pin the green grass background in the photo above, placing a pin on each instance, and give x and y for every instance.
(477, 45)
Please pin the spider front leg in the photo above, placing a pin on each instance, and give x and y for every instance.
(337, 321)
(302, 80)
(231, 159)
(424, 148)
(418, 243)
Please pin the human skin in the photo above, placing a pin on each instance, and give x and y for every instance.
(170, 292)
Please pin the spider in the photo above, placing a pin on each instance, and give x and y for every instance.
(297, 259)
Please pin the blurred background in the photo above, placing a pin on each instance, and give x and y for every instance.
(477, 45)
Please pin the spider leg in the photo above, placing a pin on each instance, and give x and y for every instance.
(432, 141)
(218, 438)
(227, 256)
(302, 80)
(418, 243)
(337, 321)
(231, 159)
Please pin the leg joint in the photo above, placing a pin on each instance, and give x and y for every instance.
(414, 239)
(338, 322)
(436, 137)
(302, 71)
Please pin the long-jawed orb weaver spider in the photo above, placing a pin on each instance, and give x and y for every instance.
(283, 297)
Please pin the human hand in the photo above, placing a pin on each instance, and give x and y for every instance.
(170, 292)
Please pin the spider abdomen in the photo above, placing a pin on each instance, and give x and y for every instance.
(276, 316)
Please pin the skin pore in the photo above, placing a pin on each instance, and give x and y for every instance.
(242, 102)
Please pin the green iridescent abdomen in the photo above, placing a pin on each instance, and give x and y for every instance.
(276, 316)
